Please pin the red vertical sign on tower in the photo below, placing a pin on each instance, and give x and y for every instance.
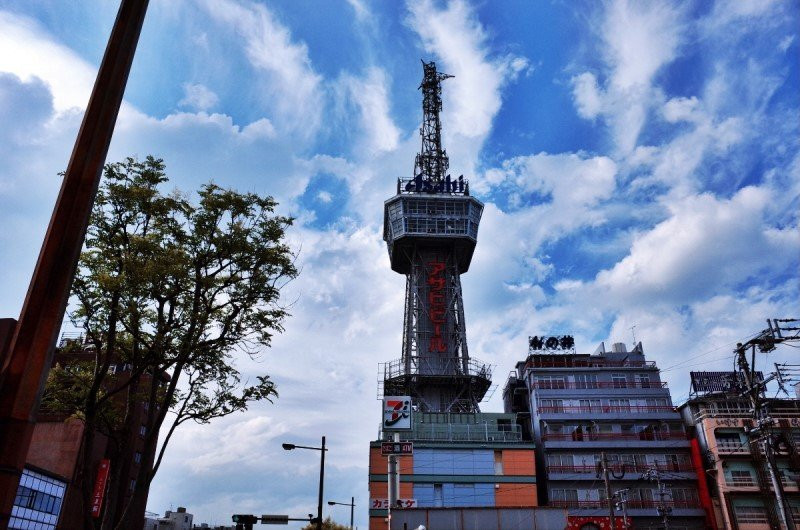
(100, 487)
(436, 305)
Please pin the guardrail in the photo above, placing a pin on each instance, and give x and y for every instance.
(618, 468)
(453, 432)
(566, 361)
(631, 504)
(654, 436)
(433, 365)
(604, 409)
(564, 385)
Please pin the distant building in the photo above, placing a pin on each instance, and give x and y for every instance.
(581, 406)
(177, 520)
(48, 495)
(740, 484)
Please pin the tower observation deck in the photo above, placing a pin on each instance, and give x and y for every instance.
(431, 228)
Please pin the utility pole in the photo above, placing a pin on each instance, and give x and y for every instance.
(610, 500)
(394, 481)
(754, 389)
(622, 504)
(663, 508)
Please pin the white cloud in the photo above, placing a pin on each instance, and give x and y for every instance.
(292, 89)
(198, 97)
(369, 94)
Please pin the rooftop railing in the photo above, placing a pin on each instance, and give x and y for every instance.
(453, 432)
(437, 366)
(566, 361)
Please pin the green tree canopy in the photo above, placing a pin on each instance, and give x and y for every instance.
(168, 293)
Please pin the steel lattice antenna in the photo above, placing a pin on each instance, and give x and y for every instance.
(431, 163)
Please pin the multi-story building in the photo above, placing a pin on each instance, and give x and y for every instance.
(461, 456)
(611, 403)
(740, 483)
(49, 495)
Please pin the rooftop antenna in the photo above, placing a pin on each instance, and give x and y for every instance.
(431, 163)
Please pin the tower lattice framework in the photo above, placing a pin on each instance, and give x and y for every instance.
(431, 228)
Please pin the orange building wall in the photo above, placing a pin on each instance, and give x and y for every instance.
(515, 495)
(518, 462)
(377, 523)
(379, 465)
(380, 490)
(55, 445)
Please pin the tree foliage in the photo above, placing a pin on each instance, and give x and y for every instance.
(327, 524)
(167, 294)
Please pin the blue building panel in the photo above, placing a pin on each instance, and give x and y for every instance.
(454, 462)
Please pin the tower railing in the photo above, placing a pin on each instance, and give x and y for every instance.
(444, 367)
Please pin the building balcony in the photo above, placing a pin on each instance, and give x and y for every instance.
(732, 448)
(650, 440)
(616, 411)
(569, 385)
(640, 468)
(631, 505)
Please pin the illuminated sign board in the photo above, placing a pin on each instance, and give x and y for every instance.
(704, 382)
(396, 413)
(397, 448)
(436, 305)
(553, 343)
(426, 185)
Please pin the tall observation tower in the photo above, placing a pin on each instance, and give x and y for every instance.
(431, 228)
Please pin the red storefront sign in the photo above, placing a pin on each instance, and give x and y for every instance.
(436, 305)
(100, 487)
(576, 522)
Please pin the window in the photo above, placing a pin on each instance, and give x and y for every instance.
(552, 405)
(142, 431)
(684, 497)
(728, 441)
(37, 503)
(585, 381)
(559, 463)
(751, 515)
(740, 477)
(438, 496)
(564, 497)
(643, 380)
(590, 405)
(132, 484)
(551, 381)
(654, 404)
(619, 405)
(619, 380)
(137, 457)
(498, 462)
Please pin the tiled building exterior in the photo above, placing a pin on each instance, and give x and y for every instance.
(739, 483)
(582, 405)
(459, 461)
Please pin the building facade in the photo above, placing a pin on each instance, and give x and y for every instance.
(609, 404)
(740, 484)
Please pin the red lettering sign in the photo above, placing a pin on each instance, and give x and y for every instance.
(436, 305)
(100, 487)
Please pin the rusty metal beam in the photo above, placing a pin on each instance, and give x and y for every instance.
(27, 360)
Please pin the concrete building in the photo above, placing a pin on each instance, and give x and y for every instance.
(582, 406)
(177, 520)
(48, 496)
(462, 458)
(740, 485)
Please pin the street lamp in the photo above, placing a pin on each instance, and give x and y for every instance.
(289, 447)
(352, 505)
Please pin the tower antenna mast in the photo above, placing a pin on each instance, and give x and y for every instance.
(431, 163)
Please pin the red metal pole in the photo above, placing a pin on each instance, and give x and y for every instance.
(29, 356)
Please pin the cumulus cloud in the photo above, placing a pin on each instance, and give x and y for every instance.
(198, 97)
(369, 95)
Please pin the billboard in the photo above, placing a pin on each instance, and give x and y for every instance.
(705, 382)
(396, 413)
(551, 344)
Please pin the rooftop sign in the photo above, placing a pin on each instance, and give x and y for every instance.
(396, 413)
(552, 343)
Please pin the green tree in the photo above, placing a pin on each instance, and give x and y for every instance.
(171, 291)
(327, 524)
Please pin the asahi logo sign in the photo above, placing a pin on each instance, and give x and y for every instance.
(396, 413)
(552, 343)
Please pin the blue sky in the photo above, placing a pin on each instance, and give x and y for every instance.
(638, 160)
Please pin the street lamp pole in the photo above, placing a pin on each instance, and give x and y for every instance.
(289, 447)
(351, 505)
(321, 482)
